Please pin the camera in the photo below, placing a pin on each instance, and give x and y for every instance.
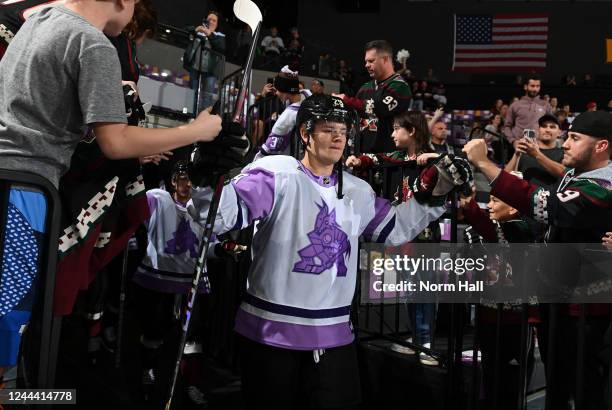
(529, 134)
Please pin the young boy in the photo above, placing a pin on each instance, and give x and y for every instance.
(59, 74)
(294, 325)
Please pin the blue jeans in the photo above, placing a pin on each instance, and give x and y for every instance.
(207, 94)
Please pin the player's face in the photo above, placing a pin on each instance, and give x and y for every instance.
(123, 13)
(533, 88)
(374, 63)
(401, 136)
(328, 141)
(549, 132)
(182, 187)
(499, 211)
(578, 150)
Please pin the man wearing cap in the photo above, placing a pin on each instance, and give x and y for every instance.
(540, 161)
(579, 211)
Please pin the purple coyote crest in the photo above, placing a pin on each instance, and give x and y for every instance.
(329, 245)
(184, 240)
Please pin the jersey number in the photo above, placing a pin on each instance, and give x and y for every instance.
(568, 195)
(390, 102)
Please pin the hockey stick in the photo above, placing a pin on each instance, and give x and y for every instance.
(248, 12)
(122, 293)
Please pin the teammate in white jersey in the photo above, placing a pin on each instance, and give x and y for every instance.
(303, 275)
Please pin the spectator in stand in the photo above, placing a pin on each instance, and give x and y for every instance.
(429, 103)
(381, 98)
(317, 87)
(439, 95)
(587, 80)
(540, 160)
(567, 110)
(325, 65)
(430, 77)
(554, 104)
(562, 119)
(610, 106)
(418, 98)
(294, 36)
(439, 135)
(272, 43)
(525, 113)
(497, 106)
(294, 54)
(494, 124)
(503, 111)
(344, 74)
(591, 106)
(546, 98)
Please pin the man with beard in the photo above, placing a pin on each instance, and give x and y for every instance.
(579, 212)
(525, 113)
(380, 99)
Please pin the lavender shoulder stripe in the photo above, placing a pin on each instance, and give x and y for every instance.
(255, 188)
(382, 207)
(292, 336)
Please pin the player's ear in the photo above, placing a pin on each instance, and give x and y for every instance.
(304, 134)
(602, 145)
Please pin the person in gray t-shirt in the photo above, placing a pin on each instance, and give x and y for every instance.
(59, 75)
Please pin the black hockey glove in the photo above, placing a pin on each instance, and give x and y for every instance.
(438, 179)
(218, 157)
(133, 107)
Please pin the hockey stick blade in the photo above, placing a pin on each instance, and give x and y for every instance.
(248, 12)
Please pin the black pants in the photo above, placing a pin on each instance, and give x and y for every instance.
(595, 360)
(509, 364)
(276, 378)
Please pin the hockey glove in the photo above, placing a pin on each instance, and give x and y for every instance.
(218, 157)
(440, 178)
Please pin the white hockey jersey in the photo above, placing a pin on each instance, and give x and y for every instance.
(279, 140)
(304, 269)
(173, 246)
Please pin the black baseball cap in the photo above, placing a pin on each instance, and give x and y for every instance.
(548, 118)
(597, 124)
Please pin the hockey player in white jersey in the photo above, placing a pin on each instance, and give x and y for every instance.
(287, 86)
(297, 341)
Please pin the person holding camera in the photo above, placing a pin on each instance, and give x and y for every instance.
(204, 56)
(539, 158)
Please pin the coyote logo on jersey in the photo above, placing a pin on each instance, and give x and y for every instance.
(329, 245)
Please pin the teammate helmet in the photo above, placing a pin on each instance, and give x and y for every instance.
(180, 168)
(321, 107)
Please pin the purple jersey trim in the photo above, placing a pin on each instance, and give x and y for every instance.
(292, 336)
(256, 189)
(381, 210)
(152, 201)
(294, 311)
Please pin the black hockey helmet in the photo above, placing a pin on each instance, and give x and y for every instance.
(321, 107)
(180, 168)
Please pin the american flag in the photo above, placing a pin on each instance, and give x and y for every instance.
(503, 42)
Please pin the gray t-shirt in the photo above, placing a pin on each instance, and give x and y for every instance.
(58, 74)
